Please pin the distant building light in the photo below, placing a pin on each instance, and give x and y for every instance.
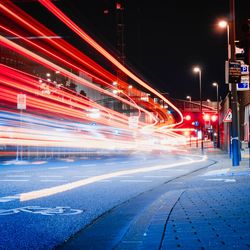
(130, 86)
(49, 80)
(115, 83)
(40, 80)
(115, 91)
(48, 75)
(57, 72)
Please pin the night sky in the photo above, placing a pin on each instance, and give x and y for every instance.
(165, 39)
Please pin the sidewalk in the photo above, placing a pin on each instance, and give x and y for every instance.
(209, 209)
(214, 210)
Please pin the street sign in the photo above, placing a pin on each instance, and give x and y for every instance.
(21, 101)
(244, 82)
(234, 72)
(244, 69)
(228, 116)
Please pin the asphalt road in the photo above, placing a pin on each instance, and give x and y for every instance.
(43, 203)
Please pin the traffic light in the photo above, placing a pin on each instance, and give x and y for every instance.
(188, 117)
(214, 118)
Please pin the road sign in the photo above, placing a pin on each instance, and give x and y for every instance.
(234, 72)
(244, 69)
(228, 116)
(244, 82)
(21, 101)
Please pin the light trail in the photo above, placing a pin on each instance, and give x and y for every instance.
(51, 7)
(69, 186)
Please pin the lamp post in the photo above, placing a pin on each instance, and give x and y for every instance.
(215, 84)
(190, 99)
(198, 70)
(224, 24)
(234, 98)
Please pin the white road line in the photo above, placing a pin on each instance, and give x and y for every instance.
(50, 180)
(58, 168)
(156, 176)
(136, 181)
(105, 181)
(125, 161)
(50, 176)
(83, 182)
(110, 163)
(82, 176)
(6, 180)
(19, 176)
(9, 198)
(88, 165)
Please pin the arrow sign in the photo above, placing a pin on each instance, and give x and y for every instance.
(228, 116)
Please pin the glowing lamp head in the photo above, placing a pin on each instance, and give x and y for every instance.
(215, 84)
(196, 69)
(223, 24)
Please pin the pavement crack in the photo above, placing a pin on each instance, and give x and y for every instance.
(167, 220)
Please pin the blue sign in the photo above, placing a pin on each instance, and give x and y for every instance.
(196, 123)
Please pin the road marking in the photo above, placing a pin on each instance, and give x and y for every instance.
(58, 168)
(125, 161)
(38, 162)
(20, 176)
(217, 172)
(50, 176)
(105, 181)
(109, 163)
(156, 176)
(230, 180)
(9, 198)
(136, 181)
(6, 180)
(76, 184)
(220, 179)
(88, 165)
(51, 180)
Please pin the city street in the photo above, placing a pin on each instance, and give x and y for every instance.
(112, 181)
(122, 202)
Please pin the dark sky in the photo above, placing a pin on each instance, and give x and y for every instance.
(165, 39)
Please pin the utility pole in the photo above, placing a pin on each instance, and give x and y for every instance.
(234, 100)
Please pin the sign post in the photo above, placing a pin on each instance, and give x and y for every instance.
(21, 105)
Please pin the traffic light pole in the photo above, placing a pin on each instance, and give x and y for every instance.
(234, 100)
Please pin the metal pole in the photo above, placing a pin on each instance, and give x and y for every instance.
(235, 132)
(218, 118)
(201, 125)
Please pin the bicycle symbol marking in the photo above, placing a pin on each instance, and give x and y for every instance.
(42, 210)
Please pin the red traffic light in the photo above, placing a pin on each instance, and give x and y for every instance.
(206, 117)
(188, 117)
(214, 118)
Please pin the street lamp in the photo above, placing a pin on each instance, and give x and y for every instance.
(189, 98)
(234, 98)
(215, 84)
(198, 70)
(224, 24)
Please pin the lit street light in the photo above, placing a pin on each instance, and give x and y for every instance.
(189, 98)
(234, 137)
(215, 84)
(198, 70)
(224, 24)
